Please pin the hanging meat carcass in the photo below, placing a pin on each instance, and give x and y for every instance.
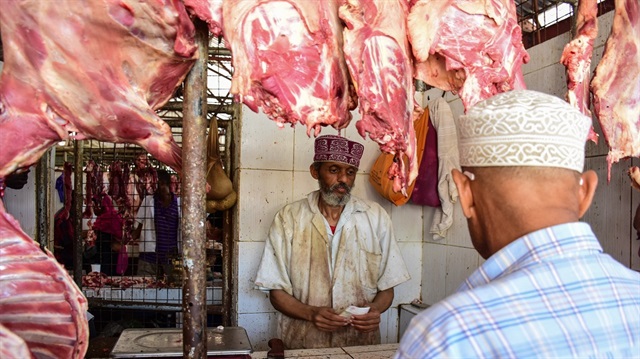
(576, 57)
(39, 302)
(287, 59)
(616, 84)
(95, 69)
(471, 47)
(380, 63)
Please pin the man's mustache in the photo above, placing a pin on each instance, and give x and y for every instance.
(340, 185)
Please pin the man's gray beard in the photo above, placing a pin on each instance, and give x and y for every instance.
(333, 199)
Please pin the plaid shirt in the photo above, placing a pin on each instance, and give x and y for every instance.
(552, 293)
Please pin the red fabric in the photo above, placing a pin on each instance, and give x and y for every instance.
(425, 191)
(109, 221)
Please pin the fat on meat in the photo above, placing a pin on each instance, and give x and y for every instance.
(288, 61)
(93, 69)
(380, 63)
(470, 47)
(576, 57)
(616, 84)
(39, 302)
(12, 346)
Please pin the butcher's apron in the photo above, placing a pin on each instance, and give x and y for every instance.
(354, 283)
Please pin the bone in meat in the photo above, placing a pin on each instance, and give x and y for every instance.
(380, 63)
(616, 84)
(576, 57)
(39, 302)
(288, 61)
(470, 47)
(97, 69)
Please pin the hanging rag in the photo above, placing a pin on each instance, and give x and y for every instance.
(448, 159)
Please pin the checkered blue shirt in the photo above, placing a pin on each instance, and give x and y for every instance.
(552, 293)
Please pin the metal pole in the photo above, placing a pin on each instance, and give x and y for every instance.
(43, 185)
(193, 201)
(78, 154)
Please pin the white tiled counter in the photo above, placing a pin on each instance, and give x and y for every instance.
(381, 351)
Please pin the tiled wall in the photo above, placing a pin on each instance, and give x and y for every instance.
(273, 169)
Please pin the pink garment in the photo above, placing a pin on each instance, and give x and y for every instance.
(109, 221)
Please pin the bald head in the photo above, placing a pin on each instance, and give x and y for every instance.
(504, 203)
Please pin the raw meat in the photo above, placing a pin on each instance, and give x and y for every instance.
(12, 346)
(288, 61)
(472, 47)
(576, 57)
(96, 69)
(616, 84)
(209, 11)
(380, 63)
(39, 302)
(634, 174)
(93, 187)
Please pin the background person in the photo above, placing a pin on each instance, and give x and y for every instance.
(546, 288)
(159, 231)
(329, 251)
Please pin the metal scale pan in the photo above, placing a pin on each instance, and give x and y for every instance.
(228, 342)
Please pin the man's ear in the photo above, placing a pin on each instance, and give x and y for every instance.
(463, 183)
(587, 190)
(313, 171)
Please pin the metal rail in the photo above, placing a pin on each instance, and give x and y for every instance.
(77, 205)
(194, 334)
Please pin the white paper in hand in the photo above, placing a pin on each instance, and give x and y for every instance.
(353, 310)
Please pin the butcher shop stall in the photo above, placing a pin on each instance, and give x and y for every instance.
(213, 106)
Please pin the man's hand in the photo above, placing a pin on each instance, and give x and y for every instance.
(327, 320)
(323, 318)
(366, 322)
(371, 321)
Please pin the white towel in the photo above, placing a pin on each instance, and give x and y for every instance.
(448, 158)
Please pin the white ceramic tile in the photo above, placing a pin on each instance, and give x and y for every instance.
(389, 326)
(364, 190)
(545, 54)
(263, 144)
(407, 222)
(260, 328)
(250, 300)
(461, 262)
(410, 290)
(550, 80)
(458, 234)
(303, 184)
(263, 193)
(303, 148)
(604, 29)
(434, 272)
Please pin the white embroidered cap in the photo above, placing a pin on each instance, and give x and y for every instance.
(523, 128)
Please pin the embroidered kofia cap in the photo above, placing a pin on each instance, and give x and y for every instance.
(523, 128)
(331, 148)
